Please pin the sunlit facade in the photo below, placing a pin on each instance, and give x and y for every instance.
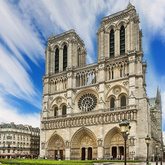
(84, 104)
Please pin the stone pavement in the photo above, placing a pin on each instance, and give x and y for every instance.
(117, 163)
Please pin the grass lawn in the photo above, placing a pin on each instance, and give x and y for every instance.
(49, 162)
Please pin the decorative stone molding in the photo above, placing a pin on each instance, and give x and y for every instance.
(100, 142)
(58, 100)
(116, 90)
(125, 83)
(42, 145)
(67, 144)
(95, 119)
(131, 95)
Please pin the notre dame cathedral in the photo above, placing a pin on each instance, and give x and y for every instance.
(84, 104)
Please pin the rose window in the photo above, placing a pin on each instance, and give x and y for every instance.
(87, 102)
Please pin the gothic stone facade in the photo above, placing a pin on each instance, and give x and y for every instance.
(84, 104)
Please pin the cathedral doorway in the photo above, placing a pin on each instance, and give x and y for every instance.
(83, 154)
(56, 148)
(114, 152)
(56, 155)
(114, 144)
(89, 153)
(121, 150)
(83, 145)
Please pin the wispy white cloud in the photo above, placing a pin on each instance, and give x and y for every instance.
(19, 41)
(9, 114)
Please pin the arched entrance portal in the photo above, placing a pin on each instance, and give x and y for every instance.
(56, 148)
(83, 145)
(114, 144)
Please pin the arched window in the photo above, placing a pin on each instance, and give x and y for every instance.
(122, 40)
(64, 110)
(111, 43)
(57, 60)
(55, 111)
(123, 102)
(112, 104)
(64, 58)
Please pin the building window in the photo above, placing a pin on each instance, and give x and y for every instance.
(57, 60)
(112, 104)
(78, 57)
(64, 58)
(112, 43)
(123, 102)
(64, 110)
(55, 111)
(122, 40)
(112, 74)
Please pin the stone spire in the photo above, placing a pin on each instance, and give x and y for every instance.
(130, 5)
(158, 99)
(51, 36)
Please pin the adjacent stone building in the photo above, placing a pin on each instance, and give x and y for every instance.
(18, 141)
(84, 104)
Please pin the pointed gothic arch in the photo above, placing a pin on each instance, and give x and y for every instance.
(82, 141)
(56, 147)
(114, 143)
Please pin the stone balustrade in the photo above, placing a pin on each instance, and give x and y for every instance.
(88, 119)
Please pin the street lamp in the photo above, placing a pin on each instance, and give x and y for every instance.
(147, 140)
(125, 130)
(156, 154)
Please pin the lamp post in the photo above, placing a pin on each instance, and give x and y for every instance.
(147, 140)
(156, 154)
(125, 130)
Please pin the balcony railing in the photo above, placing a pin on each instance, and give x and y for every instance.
(116, 109)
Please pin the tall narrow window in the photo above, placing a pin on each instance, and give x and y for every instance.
(112, 104)
(64, 58)
(64, 110)
(78, 58)
(122, 40)
(112, 74)
(57, 60)
(111, 43)
(123, 102)
(121, 71)
(55, 111)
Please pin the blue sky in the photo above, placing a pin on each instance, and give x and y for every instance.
(25, 27)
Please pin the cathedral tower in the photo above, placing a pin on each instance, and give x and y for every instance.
(84, 104)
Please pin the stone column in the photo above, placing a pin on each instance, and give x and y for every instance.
(86, 153)
(117, 42)
(67, 151)
(60, 59)
(100, 149)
